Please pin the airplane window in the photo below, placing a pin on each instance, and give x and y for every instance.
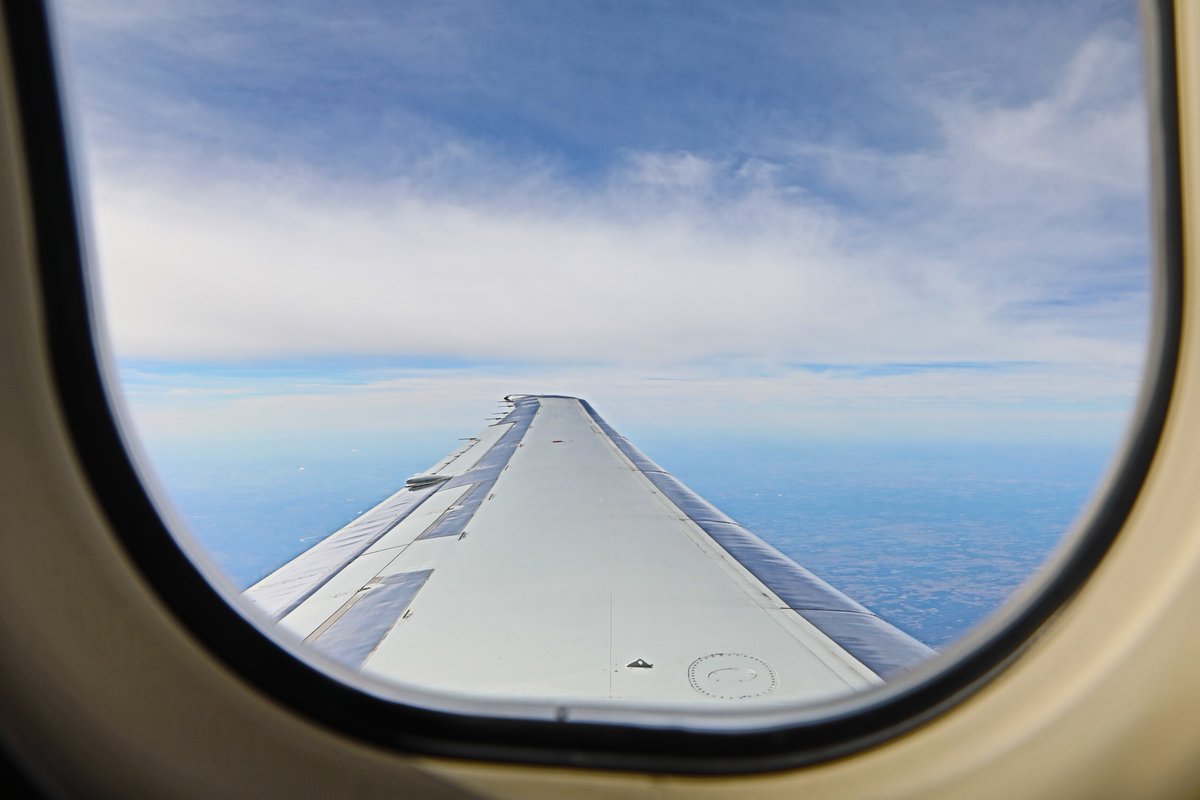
(809, 332)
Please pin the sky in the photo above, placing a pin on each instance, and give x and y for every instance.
(825, 219)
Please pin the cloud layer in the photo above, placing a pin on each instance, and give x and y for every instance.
(996, 222)
(676, 257)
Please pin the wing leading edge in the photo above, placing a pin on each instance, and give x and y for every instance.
(550, 558)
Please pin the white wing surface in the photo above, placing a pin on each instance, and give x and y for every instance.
(549, 558)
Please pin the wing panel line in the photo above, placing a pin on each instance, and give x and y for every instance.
(485, 473)
(284, 590)
(373, 611)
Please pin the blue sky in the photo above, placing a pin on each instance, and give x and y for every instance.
(848, 218)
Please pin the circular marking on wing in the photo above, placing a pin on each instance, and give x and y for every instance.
(732, 676)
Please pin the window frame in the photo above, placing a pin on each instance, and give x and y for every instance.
(79, 375)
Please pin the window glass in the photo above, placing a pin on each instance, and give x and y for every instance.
(871, 279)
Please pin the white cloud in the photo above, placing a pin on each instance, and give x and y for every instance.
(680, 172)
(243, 260)
(678, 265)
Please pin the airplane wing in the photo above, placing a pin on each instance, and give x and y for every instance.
(549, 557)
